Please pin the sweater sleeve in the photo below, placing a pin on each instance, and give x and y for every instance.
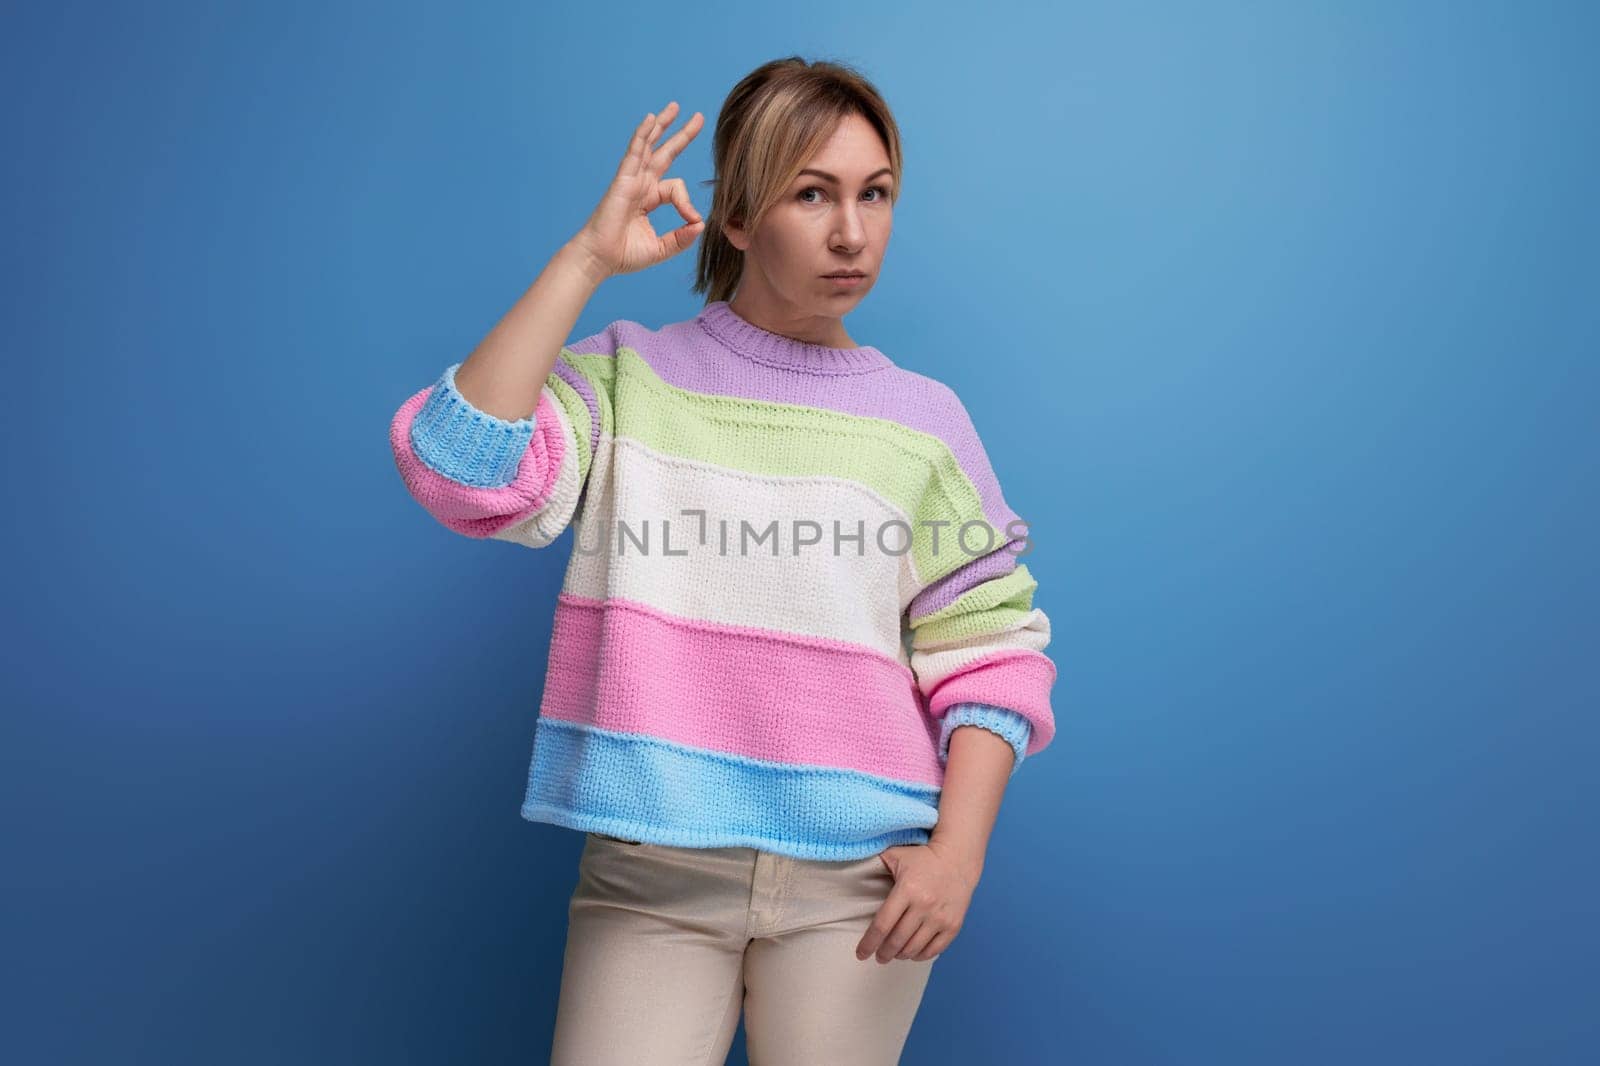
(1010, 726)
(976, 639)
(517, 480)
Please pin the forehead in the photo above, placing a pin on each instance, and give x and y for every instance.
(852, 151)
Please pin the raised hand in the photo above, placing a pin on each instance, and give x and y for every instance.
(618, 237)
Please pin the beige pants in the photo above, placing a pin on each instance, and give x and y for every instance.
(665, 946)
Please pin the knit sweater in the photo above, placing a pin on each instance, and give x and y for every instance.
(792, 576)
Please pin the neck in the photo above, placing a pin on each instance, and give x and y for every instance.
(754, 304)
(751, 341)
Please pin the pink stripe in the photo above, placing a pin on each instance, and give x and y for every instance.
(1017, 679)
(479, 512)
(623, 665)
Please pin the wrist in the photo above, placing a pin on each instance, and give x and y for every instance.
(967, 858)
(584, 260)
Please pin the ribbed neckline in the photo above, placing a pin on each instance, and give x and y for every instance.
(775, 349)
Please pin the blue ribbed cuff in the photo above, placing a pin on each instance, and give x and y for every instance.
(464, 444)
(1007, 723)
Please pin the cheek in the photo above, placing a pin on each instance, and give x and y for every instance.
(785, 233)
(797, 245)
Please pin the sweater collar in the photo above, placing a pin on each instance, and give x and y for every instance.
(774, 349)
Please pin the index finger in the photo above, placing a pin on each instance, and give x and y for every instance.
(883, 923)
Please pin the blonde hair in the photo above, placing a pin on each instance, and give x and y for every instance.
(771, 124)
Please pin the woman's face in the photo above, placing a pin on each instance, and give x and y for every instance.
(836, 215)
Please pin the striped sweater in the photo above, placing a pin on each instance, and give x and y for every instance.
(792, 575)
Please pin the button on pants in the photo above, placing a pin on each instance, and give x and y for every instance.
(666, 945)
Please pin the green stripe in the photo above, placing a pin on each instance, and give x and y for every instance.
(915, 471)
(991, 607)
(601, 372)
(577, 413)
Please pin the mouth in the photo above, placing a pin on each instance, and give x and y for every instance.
(846, 274)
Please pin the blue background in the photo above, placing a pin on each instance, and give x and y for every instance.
(1279, 321)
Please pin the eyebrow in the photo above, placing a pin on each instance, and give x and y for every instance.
(835, 180)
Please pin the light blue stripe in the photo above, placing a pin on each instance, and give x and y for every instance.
(644, 788)
(464, 444)
(1007, 723)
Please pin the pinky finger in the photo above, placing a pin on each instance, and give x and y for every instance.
(918, 943)
(633, 158)
(935, 948)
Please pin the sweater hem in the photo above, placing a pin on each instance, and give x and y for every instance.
(679, 837)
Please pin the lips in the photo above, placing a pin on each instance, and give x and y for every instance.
(847, 274)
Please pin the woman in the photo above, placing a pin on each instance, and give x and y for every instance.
(760, 742)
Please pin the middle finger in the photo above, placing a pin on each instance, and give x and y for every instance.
(664, 119)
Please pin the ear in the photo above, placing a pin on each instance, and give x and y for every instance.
(734, 231)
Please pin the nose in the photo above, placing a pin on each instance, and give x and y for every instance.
(850, 233)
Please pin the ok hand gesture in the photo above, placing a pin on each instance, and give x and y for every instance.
(618, 236)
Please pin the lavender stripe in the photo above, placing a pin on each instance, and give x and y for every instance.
(945, 591)
(685, 355)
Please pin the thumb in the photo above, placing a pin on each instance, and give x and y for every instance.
(674, 191)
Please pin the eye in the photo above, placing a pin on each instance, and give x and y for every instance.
(881, 190)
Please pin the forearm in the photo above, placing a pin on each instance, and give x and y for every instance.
(975, 778)
(505, 373)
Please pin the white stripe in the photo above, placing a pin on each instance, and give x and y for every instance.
(934, 664)
(818, 592)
